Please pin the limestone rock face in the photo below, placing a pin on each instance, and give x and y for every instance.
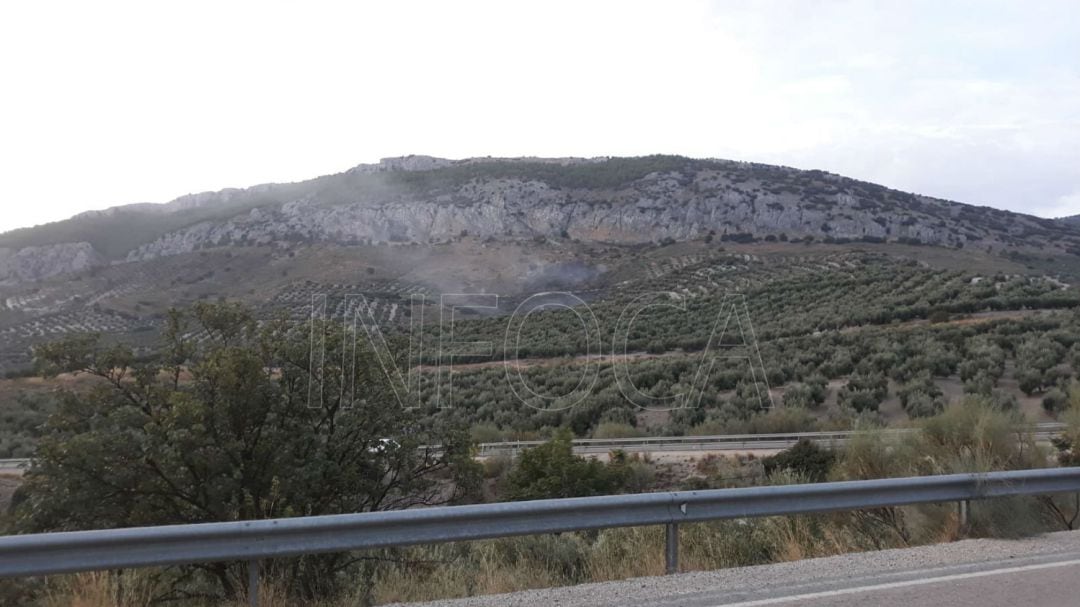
(677, 206)
(423, 199)
(37, 263)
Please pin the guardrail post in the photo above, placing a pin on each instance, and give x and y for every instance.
(671, 551)
(962, 508)
(253, 583)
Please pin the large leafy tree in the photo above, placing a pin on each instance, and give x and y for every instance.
(232, 422)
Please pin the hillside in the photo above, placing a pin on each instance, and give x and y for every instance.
(423, 200)
(605, 229)
(844, 328)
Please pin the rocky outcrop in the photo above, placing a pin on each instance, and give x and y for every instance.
(37, 263)
(678, 205)
(422, 199)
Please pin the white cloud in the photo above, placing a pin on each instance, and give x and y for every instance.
(1065, 206)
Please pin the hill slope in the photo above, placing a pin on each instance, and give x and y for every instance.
(426, 200)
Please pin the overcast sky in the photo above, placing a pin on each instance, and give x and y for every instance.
(105, 103)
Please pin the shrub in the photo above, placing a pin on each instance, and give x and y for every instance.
(486, 433)
(976, 436)
(924, 405)
(552, 470)
(921, 397)
(804, 395)
(939, 316)
(615, 430)
(1055, 401)
(804, 459)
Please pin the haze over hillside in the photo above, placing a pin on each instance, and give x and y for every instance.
(425, 200)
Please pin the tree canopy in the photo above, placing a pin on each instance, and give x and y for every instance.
(222, 427)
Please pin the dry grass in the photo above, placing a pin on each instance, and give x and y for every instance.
(515, 564)
(100, 589)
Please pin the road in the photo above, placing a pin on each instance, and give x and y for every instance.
(1043, 571)
(1055, 584)
(758, 444)
(1042, 432)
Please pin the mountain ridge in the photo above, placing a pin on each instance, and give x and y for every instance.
(426, 200)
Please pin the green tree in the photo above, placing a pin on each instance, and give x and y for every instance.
(864, 392)
(221, 429)
(921, 397)
(1055, 401)
(1035, 361)
(551, 470)
(804, 395)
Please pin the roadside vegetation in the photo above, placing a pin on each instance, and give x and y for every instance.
(974, 435)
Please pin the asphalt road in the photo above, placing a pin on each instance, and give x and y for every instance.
(1053, 584)
(1036, 572)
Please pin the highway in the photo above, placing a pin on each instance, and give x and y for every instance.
(757, 443)
(1042, 571)
(1042, 432)
(1055, 583)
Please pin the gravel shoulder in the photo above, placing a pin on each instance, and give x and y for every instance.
(714, 588)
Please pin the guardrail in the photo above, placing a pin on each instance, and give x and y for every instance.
(11, 465)
(721, 441)
(253, 541)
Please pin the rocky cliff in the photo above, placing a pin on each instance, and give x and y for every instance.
(36, 263)
(432, 200)
(419, 199)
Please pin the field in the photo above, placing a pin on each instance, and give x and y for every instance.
(790, 336)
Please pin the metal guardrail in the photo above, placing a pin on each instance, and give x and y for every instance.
(252, 541)
(10, 465)
(719, 442)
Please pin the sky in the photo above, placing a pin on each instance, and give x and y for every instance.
(108, 103)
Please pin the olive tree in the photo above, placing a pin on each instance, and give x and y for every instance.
(233, 421)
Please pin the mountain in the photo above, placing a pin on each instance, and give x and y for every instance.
(425, 200)
(1072, 221)
(605, 229)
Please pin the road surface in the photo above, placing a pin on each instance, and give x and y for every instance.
(1042, 572)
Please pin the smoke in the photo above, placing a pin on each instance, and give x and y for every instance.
(560, 276)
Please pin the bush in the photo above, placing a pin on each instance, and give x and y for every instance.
(615, 430)
(1055, 401)
(805, 459)
(496, 466)
(864, 392)
(638, 476)
(921, 397)
(921, 404)
(939, 316)
(977, 436)
(552, 470)
(486, 433)
(870, 455)
(804, 395)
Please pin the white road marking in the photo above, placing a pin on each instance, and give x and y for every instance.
(891, 585)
